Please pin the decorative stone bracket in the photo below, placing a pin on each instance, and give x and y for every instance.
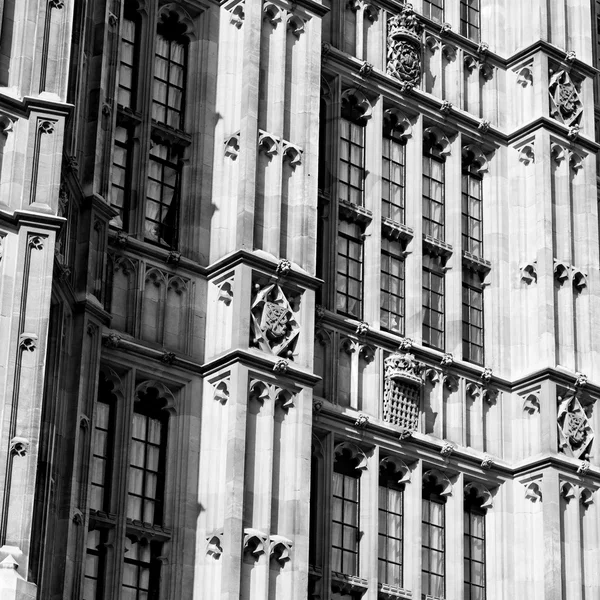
(564, 271)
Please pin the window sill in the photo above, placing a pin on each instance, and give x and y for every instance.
(391, 592)
(476, 263)
(141, 530)
(355, 214)
(435, 247)
(348, 584)
(394, 231)
(164, 133)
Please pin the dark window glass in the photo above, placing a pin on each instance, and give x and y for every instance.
(433, 305)
(474, 532)
(472, 213)
(394, 175)
(434, 9)
(469, 19)
(349, 270)
(101, 453)
(472, 304)
(93, 577)
(391, 499)
(141, 571)
(352, 162)
(345, 521)
(392, 286)
(162, 196)
(433, 196)
(121, 172)
(433, 548)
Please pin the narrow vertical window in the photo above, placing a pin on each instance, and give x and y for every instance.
(393, 173)
(472, 290)
(434, 10)
(93, 577)
(102, 451)
(469, 19)
(141, 571)
(433, 541)
(474, 532)
(349, 269)
(345, 517)
(433, 196)
(391, 524)
(433, 304)
(352, 162)
(147, 465)
(127, 57)
(120, 175)
(163, 191)
(392, 286)
(169, 74)
(472, 213)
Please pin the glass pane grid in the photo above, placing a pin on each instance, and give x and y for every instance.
(352, 168)
(472, 321)
(434, 9)
(126, 64)
(345, 524)
(433, 548)
(349, 275)
(470, 19)
(100, 471)
(433, 197)
(394, 179)
(474, 561)
(120, 171)
(94, 566)
(169, 78)
(433, 309)
(390, 535)
(392, 287)
(472, 217)
(137, 575)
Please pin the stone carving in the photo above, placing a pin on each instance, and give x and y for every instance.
(446, 107)
(214, 545)
(225, 293)
(584, 467)
(395, 466)
(567, 490)
(474, 158)
(404, 434)
(527, 154)
(281, 366)
(19, 446)
(292, 154)
(533, 491)
(405, 344)
(284, 266)
(77, 517)
(525, 75)
(574, 428)
(28, 342)
(255, 542)
(273, 13)
(121, 239)
(450, 382)
(484, 126)
(445, 28)
(565, 101)
(438, 478)
(531, 403)
(581, 380)
(570, 56)
(46, 126)
(232, 145)
(173, 258)
(447, 449)
(529, 271)
(58, 4)
(317, 406)
(576, 161)
(402, 394)
(237, 15)
(487, 462)
(168, 358)
(585, 496)
(404, 48)
(279, 548)
(274, 328)
(447, 360)
(362, 421)
(221, 392)
(295, 25)
(362, 328)
(437, 141)
(486, 376)
(355, 101)
(267, 143)
(36, 242)
(365, 70)
(353, 452)
(112, 340)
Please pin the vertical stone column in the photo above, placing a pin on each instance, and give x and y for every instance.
(552, 566)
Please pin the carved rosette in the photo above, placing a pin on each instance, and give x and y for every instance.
(575, 432)
(274, 328)
(565, 101)
(404, 48)
(402, 394)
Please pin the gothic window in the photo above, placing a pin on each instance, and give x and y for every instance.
(141, 571)
(472, 217)
(102, 444)
(94, 565)
(147, 463)
(153, 176)
(433, 304)
(352, 161)
(433, 540)
(474, 533)
(433, 194)
(393, 173)
(349, 269)
(391, 517)
(470, 19)
(434, 9)
(472, 303)
(345, 527)
(392, 286)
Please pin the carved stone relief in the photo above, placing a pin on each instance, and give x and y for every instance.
(402, 392)
(404, 48)
(565, 101)
(274, 328)
(575, 431)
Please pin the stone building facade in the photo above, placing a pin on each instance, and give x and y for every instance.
(298, 299)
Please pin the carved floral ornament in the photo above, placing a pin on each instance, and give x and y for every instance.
(356, 104)
(404, 48)
(437, 141)
(274, 328)
(565, 101)
(575, 431)
(350, 451)
(473, 157)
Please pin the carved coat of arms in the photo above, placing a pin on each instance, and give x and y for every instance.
(566, 105)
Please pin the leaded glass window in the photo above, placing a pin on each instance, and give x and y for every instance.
(391, 510)
(433, 196)
(141, 571)
(345, 518)
(433, 304)
(393, 179)
(392, 286)
(474, 532)
(472, 213)
(433, 542)
(434, 9)
(470, 19)
(352, 162)
(127, 60)
(349, 270)
(472, 303)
